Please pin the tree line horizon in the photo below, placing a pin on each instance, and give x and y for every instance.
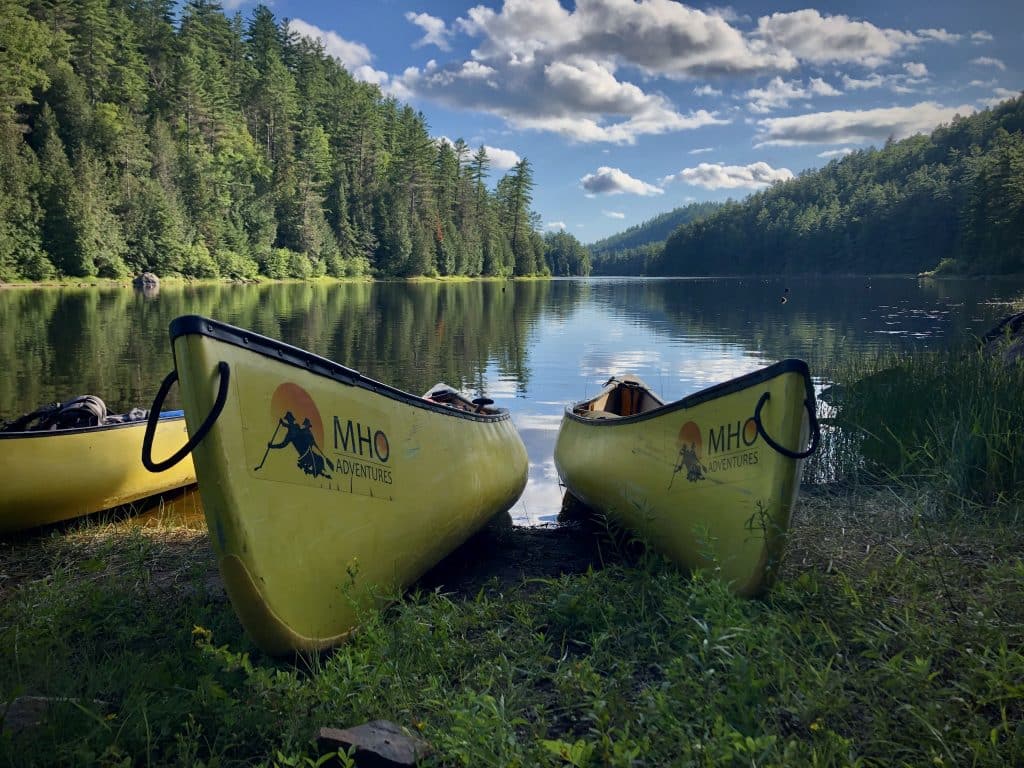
(950, 202)
(220, 146)
(225, 147)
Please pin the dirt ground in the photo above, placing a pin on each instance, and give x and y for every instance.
(831, 530)
(500, 555)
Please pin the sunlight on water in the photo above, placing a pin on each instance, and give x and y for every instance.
(532, 346)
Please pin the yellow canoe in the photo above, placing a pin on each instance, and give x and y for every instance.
(326, 491)
(46, 477)
(709, 480)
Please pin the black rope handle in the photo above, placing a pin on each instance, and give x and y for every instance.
(815, 435)
(204, 428)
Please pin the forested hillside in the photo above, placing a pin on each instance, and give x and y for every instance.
(135, 139)
(631, 251)
(952, 200)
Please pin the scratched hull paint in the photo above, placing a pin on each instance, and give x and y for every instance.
(326, 492)
(47, 477)
(695, 477)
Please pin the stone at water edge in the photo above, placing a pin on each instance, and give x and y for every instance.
(30, 711)
(1006, 339)
(146, 279)
(378, 743)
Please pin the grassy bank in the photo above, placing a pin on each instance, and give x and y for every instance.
(950, 421)
(103, 282)
(893, 638)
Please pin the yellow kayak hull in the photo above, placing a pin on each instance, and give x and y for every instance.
(697, 478)
(326, 492)
(47, 477)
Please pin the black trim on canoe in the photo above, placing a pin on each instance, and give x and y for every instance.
(83, 430)
(195, 325)
(747, 381)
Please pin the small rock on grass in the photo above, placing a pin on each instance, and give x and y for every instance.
(378, 744)
(29, 711)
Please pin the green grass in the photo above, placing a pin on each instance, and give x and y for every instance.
(950, 421)
(892, 638)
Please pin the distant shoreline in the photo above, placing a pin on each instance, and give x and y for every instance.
(105, 282)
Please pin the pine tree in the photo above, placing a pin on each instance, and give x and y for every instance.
(515, 192)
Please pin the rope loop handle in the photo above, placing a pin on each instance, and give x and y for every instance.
(154, 416)
(815, 429)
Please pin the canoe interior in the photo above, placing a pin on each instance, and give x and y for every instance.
(626, 396)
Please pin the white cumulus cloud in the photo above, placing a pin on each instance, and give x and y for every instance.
(355, 57)
(659, 36)
(874, 80)
(719, 176)
(553, 225)
(778, 93)
(988, 61)
(856, 126)
(614, 214)
(541, 66)
(999, 95)
(706, 90)
(612, 181)
(581, 99)
(939, 35)
(728, 13)
(981, 36)
(819, 39)
(435, 32)
(819, 87)
(501, 159)
(897, 83)
(841, 152)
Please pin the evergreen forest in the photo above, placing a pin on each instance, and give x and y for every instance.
(148, 135)
(632, 251)
(948, 203)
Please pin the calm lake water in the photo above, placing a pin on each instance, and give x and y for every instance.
(532, 346)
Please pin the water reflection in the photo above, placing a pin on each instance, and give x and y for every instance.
(533, 346)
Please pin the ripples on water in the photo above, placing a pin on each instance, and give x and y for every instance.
(533, 346)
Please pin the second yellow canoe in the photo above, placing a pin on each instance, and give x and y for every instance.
(710, 480)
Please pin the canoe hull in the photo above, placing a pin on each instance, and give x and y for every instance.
(724, 506)
(311, 526)
(52, 476)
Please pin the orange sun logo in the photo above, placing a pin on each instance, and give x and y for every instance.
(749, 431)
(381, 445)
(691, 450)
(689, 436)
(291, 398)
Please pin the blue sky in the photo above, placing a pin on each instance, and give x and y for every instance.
(629, 108)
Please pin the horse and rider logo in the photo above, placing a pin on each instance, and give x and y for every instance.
(303, 429)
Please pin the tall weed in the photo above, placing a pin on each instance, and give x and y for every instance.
(951, 418)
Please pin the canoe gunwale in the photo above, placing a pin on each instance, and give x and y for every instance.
(84, 430)
(740, 383)
(196, 325)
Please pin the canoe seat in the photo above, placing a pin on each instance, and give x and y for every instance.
(599, 415)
